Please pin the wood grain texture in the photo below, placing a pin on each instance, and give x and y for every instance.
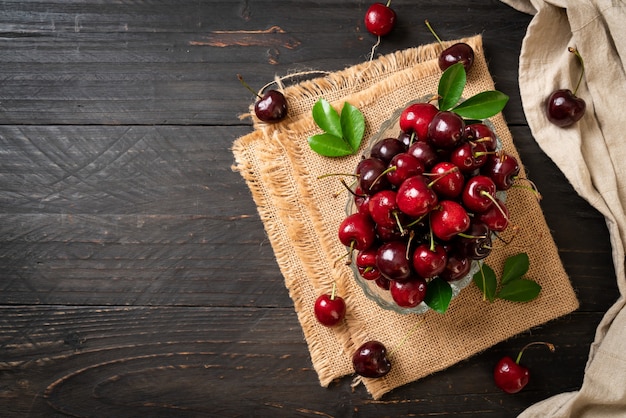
(136, 276)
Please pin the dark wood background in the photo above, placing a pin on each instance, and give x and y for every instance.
(136, 277)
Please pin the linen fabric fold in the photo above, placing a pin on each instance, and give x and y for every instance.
(591, 154)
(301, 214)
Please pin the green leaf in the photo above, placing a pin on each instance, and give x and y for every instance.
(486, 280)
(451, 86)
(438, 295)
(352, 125)
(515, 267)
(329, 145)
(327, 118)
(482, 105)
(519, 290)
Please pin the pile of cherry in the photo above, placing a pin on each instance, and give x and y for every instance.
(427, 203)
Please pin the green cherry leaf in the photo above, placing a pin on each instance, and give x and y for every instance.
(329, 145)
(451, 86)
(352, 125)
(482, 105)
(519, 290)
(327, 118)
(485, 279)
(515, 267)
(438, 295)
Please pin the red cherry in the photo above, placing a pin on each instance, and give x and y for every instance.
(502, 168)
(384, 210)
(416, 118)
(563, 107)
(366, 264)
(357, 231)
(429, 262)
(380, 19)
(370, 360)
(415, 197)
(479, 193)
(410, 293)
(509, 375)
(271, 107)
(402, 166)
(449, 219)
(329, 309)
(447, 180)
(479, 133)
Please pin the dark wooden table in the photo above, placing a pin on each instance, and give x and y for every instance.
(136, 276)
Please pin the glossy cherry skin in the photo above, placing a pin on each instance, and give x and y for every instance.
(366, 264)
(477, 244)
(502, 168)
(402, 166)
(479, 193)
(416, 118)
(564, 109)
(425, 153)
(459, 52)
(387, 148)
(380, 19)
(447, 181)
(457, 266)
(408, 294)
(480, 133)
(449, 219)
(428, 262)
(357, 231)
(469, 156)
(271, 107)
(496, 217)
(510, 376)
(446, 130)
(383, 209)
(371, 178)
(370, 360)
(329, 310)
(414, 197)
(392, 261)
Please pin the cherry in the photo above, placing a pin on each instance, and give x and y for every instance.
(478, 132)
(475, 242)
(502, 168)
(446, 130)
(402, 166)
(416, 118)
(361, 201)
(425, 153)
(392, 261)
(448, 181)
(459, 52)
(380, 19)
(563, 107)
(509, 375)
(387, 148)
(415, 197)
(366, 264)
(457, 266)
(496, 217)
(370, 360)
(370, 173)
(479, 193)
(429, 260)
(271, 107)
(409, 293)
(357, 232)
(469, 156)
(384, 210)
(390, 233)
(329, 309)
(449, 219)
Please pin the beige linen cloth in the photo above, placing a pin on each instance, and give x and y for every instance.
(592, 154)
(301, 217)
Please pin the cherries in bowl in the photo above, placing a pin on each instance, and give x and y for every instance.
(415, 235)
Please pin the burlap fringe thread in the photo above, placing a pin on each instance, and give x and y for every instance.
(301, 219)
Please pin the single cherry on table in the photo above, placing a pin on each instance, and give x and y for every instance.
(271, 107)
(330, 309)
(509, 375)
(380, 19)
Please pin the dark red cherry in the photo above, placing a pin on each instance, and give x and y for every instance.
(366, 264)
(380, 19)
(459, 52)
(502, 168)
(475, 242)
(392, 261)
(564, 108)
(425, 153)
(357, 231)
(446, 130)
(402, 166)
(414, 197)
(447, 180)
(271, 107)
(449, 219)
(387, 148)
(457, 266)
(408, 294)
(370, 360)
(479, 193)
(416, 118)
(429, 261)
(370, 172)
(480, 133)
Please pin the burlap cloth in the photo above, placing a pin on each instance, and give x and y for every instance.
(592, 155)
(301, 218)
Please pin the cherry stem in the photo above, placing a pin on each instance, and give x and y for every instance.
(247, 86)
(352, 191)
(432, 236)
(440, 175)
(495, 202)
(533, 187)
(582, 65)
(407, 335)
(398, 222)
(433, 32)
(332, 293)
(549, 345)
(383, 174)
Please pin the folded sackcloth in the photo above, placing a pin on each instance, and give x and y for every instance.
(591, 154)
(301, 215)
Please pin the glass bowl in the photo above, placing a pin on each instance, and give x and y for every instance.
(371, 289)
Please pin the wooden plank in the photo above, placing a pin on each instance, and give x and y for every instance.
(97, 63)
(158, 361)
